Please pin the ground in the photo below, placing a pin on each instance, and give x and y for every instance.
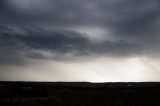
(79, 94)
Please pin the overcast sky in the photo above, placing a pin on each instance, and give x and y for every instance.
(80, 40)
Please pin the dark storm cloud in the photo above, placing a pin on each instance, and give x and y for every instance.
(17, 48)
(132, 19)
(75, 12)
(134, 23)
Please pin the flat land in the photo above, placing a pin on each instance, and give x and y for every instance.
(79, 94)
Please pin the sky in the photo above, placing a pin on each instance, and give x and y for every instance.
(80, 40)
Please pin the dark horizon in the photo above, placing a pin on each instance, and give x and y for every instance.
(82, 94)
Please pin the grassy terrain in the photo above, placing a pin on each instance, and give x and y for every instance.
(79, 94)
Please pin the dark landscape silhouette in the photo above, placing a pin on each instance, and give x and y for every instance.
(79, 94)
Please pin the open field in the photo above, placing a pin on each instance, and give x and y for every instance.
(79, 94)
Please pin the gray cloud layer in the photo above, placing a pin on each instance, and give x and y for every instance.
(134, 23)
(33, 42)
